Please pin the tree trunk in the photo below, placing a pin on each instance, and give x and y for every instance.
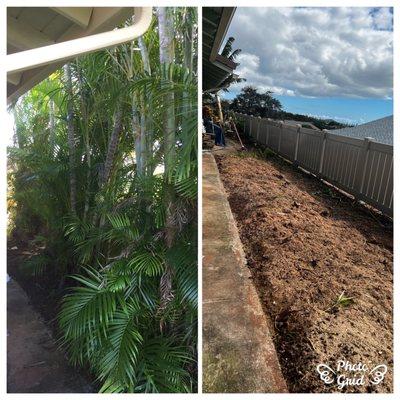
(136, 129)
(71, 136)
(143, 140)
(84, 113)
(167, 58)
(112, 145)
(145, 55)
(109, 162)
(188, 62)
(145, 122)
(188, 42)
(52, 135)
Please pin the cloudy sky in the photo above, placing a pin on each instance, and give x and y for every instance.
(328, 62)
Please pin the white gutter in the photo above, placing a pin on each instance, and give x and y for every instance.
(29, 59)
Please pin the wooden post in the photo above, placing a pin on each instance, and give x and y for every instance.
(322, 156)
(250, 124)
(220, 115)
(296, 149)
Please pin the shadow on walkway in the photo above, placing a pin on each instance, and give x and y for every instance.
(34, 364)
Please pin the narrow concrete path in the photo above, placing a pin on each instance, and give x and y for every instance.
(34, 364)
(238, 352)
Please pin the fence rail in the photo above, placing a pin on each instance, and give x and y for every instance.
(361, 167)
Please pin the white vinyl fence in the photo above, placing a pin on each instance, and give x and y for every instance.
(361, 167)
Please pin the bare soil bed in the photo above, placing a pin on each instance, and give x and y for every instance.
(306, 244)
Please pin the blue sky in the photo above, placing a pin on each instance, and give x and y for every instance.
(327, 62)
(342, 109)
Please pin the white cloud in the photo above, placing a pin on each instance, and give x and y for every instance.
(316, 52)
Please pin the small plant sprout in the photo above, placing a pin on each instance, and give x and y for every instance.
(341, 302)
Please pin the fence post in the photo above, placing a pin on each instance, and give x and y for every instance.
(296, 148)
(322, 156)
(268, 127)
(250, 124)
(258, 127)
(280, 136)
(362, 165)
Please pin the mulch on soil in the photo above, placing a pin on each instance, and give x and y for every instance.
(306, 244)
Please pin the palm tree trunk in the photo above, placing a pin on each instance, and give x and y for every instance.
(71, 137)
(145, 123)
(188, 27)
(52, 126)
(143, 140)
(111, 152)
(112, 145)
(145, 54)
(188, 42)
(84, 114)
(166, 59)
(136, 129)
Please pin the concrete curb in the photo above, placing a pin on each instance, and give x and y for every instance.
(238, 351)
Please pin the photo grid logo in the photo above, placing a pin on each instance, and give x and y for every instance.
(348, 374)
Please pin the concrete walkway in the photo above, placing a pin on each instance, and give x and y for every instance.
(34, 364)
(238, 352)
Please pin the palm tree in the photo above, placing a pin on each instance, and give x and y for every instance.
(71, 136)
(131, 245)
(228, 51)
(231, 54)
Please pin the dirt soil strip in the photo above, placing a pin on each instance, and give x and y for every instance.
(305, 245)
(34, 364)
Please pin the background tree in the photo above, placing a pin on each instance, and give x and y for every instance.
(250, 101)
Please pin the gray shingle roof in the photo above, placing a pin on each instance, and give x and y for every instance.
(381, 130)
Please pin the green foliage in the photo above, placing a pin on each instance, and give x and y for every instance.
(250, 101)
(114, 319)
(342, 301)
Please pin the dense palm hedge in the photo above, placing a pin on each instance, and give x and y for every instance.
(104, 182)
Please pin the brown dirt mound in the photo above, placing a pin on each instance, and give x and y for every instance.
(307, 244)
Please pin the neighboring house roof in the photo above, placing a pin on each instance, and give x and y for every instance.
(216, 69)
(381, 130)
(30, 28)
